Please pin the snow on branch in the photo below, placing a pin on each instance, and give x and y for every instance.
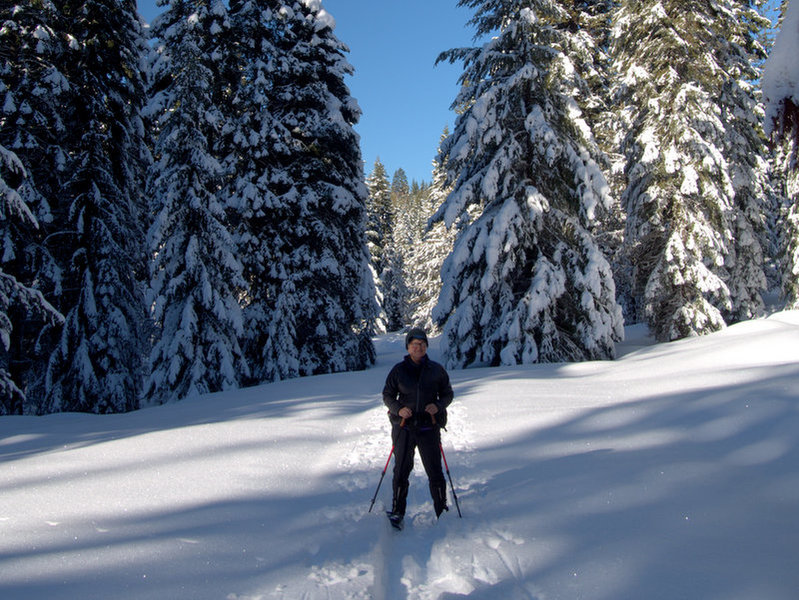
(781, 83)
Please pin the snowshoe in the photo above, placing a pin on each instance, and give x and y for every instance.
(395, 520)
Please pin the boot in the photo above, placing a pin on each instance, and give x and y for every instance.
(439, 493)
(400, 499)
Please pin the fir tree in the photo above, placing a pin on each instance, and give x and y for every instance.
(250, 145)
(427, 254)
(97, 365)
(403, 205)
(409, 203)
(399, 186)
(789, 239)
(393, 287)
(525, 282)
(391, 282)
(592, 25)
(418, 207)
(73, 87)
(782, 124)
(325, 304)
(746, 153)
(36, 96)
(14, 213)
(379, 213)
(682, 77)
(196, 280)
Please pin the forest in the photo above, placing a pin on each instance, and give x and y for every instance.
(185, 208)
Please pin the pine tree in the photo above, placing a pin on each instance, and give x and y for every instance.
(689, 192)
(325, 304)
(746, 151)
(409, 214)
(789, 240)
(196, 280)
(787, 183)
(393, 286)
(391, 282)
(15, 214)
(97, 365)
(73, 87)
(33, 126)
(403, 224)
(782, 124)
(427, 254)
(399, 186)
(251, 142)
(379, 227)
(417, 208)
(525, 282)
(592, 23)
(379, 213)
(409, 207)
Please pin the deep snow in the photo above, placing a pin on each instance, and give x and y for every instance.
(670, 473)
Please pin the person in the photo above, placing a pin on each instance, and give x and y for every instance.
(417, 393)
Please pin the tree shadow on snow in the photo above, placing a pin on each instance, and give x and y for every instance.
(689, 495)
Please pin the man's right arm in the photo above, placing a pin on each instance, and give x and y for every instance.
(391, 392)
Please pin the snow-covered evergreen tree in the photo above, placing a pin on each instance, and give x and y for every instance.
(427, 254)
(196, 279)
(525, 282)
(590, 26)
(694, 166)
(35, 98)
(379, 214)
(409, 203)
(393, 287)
(97, 365)
(789, 235)
(379, 227)
(593, 26)
(781, 95)
(780, 81)
(746, 153)
(325, 305)
(248, 147)
(72, 87)
(397, 218)
(400, 188)
(14, 214)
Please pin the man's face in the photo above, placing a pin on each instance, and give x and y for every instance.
(417, 349)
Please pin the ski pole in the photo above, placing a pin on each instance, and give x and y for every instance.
(383, 474)
(452, 487)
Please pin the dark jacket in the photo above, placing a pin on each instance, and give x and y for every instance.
(415, 386)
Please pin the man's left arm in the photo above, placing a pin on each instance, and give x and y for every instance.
(445, 393)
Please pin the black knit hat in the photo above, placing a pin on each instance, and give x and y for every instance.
(415, 334)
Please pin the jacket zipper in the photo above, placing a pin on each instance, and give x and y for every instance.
(419, 394)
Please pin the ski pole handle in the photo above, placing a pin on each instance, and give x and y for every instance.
(402, 423)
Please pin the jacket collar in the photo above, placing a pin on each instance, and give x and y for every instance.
(409, 360)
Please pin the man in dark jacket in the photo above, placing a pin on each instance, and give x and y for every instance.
(417, 393)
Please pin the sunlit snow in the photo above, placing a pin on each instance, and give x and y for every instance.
(668, 473)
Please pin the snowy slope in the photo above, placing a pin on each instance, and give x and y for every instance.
(670, 473)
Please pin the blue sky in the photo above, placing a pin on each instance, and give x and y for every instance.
(404, 96)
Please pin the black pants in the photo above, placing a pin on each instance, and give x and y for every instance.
(428, 441)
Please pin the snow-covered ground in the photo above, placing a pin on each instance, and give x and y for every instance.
(671, 473)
